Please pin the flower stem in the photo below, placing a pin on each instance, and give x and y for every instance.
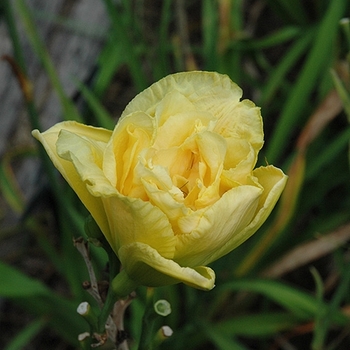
(112, 297)
(148, 322)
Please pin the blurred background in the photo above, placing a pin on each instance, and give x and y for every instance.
(285, 288)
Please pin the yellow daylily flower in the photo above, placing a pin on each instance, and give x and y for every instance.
(173, 186)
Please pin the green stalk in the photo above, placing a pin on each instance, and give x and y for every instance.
(112, 297)
(148, 323)
(129, 51)
(164, 68)
(210, 34)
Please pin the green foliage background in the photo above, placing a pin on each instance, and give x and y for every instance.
(289, 284)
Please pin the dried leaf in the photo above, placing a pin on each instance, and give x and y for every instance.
(308, 252)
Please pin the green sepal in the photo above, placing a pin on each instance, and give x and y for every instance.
(123, 285)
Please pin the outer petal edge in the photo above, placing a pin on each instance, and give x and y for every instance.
(266, 205)
(146, 266)
(49, 138)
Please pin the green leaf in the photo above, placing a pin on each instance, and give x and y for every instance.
(35, 297)
(301, 304)
(15, 284)
(257, 325)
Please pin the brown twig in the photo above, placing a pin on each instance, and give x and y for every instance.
(118, 318)
(92, 287)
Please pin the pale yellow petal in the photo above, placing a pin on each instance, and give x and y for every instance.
(242, 171)
(167, 203)
(147, 267)
(238, 151)
(176, 160)
(67, 169)
(90, 132)
(208, 230)
(87, 156)
(157, 174)
(208, 195)
(132, 134)
(171, 104)
(207, 91)
(242, 121)
(134, 220)
(178, 127)
(273, 180)
(212, 151)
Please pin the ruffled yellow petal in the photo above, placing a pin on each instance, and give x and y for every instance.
(176, 160)
(273, 181)
(207, 91)
(66, 168)
(87, 156)
(134, 220)
(243, 131)
(132, 134)
(242, 171)
(146, 266)
(241, 121)
(173, 133)
(173, 103)
(166, 201)
(208, 230)
(212, 151)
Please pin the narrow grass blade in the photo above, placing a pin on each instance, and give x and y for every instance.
(278, 74)
(102, 117)
(15, 284)
(321, 327)
(21, 340)
(210, 34)
(109, 61)
(277, 38)
(35, 297)
(164, 67)
(133, 61)
(293, 9)
(9, 187)
(324, 322)
(222, 341)
(333, 148)
(315, 65)
(301, 304)
(257, 325)
(69, 110)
